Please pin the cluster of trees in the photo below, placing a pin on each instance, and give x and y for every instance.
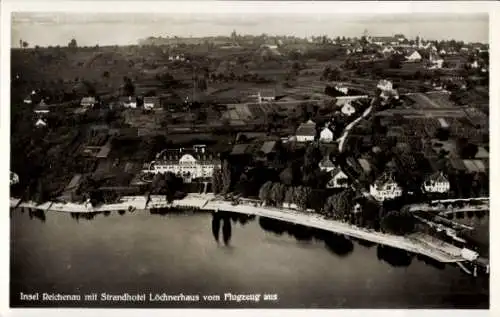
(278, 194)
(167, 184)
(128, 87)
(398, 223)
(330, 74)
(231, 76)
(221, 178)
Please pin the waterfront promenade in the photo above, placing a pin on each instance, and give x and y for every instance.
(416, 243)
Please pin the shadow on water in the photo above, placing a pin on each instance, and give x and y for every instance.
(84, 215)
(216, 219)
(335, 243)
(38, 214)
(226, 229)
(431, 262)
(364, 243)
(394, 257)
(227, 219)
(338, 244)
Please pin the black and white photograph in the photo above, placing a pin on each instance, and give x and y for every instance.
(218, 158)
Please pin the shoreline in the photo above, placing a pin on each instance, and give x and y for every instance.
(416, 243)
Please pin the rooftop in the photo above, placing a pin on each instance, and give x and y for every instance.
(308, 128)
(240, 149)
(268, 147)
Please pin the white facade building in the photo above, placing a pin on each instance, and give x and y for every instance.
(189, 164)
(388, 50)
(151, 103)
(414, 57)
(437, 183)
(385, 188)
(384, 85)
(348, 109)
(129, 102)
(342, 89)
(326, 135)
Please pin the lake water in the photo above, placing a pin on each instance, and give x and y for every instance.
(147, 253)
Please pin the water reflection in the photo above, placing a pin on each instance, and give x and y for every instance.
(364, 243)
(227, 219)
(335, 243)
(394, 257)
(226, 229)
(38, 214)
(431, 262)
(339, 245)
(216, 219)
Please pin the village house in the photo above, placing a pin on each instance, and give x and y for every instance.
(474, 64)
(326, 164)
(436, 61)
(414, 56)
(151, 103)
(29, 98)
(42, 108)
(384, 85)
(326, 135)
(88, 102)
(40, 123)
(385, 187)
(342, 89)
(306, 132)
(265, 96)
(348, 109)
(400, 38)
(190, 164)
(381, 40)
(437, 183)
(387, 50)
(387, 89)
(14, 178)
(128, 102)
(339, 179)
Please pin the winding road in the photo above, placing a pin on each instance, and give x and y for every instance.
(347, 129)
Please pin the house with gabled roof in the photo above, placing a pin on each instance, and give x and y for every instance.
(151, 103)
(414, 56)
(385, 187)
(327, 164)
(88, 102)
(436, 183)
(42, 108)
(326, 135)
(338, 179)
(348, 109)
(306, 132)
(128, 102)
(40, 123)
